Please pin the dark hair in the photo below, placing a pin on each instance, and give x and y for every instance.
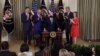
(42, 46)
(27, 8)
(68, 47)
(5, 45)
(24, 47)
(76, 13)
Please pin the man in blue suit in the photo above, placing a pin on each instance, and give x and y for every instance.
(38, 27)
(27, 25)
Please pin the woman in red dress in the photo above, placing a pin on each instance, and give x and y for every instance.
(74, 27)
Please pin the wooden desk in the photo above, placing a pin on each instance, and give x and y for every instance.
(47, 35)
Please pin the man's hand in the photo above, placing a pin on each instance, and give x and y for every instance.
(72, 21)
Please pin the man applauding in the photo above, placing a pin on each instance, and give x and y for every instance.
(27, 25)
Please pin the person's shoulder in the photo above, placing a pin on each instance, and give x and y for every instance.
(26, 53)
(0, 52)
(29, 53)
(8, 53)
(4, 52)
(22, 13)
(13, 53)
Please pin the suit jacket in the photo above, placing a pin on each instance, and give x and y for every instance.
(67, 21)
(38, 24)
(51, 26)
(60, 21)
(27, 25)
(7, 53)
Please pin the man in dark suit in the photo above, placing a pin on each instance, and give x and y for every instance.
(50, 25)
(68, 16)
(5, 50)
(60, 20)
(27, 25)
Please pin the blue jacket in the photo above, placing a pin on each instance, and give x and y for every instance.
(38, 24)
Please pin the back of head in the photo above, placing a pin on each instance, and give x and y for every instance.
(42, 46)
(46, 51)
(63, 52)
(5, 45)
(24, 47)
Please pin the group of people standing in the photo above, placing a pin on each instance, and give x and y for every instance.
(67, 21)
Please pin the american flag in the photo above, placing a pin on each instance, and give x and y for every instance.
(34, 6)
(7, 6)
(52, 6)
(60, 4)
(43, 4)
(8, 23)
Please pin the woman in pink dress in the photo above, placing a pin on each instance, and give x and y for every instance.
(74, 27)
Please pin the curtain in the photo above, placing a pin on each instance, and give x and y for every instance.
(18, 8)
(88, 11)
(1, 9)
